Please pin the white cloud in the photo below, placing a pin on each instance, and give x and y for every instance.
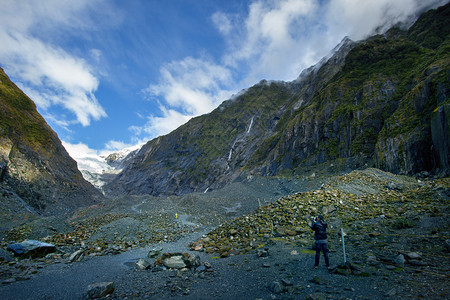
(278, 39)
(51, 74)
(186, 89)
(222, 22)
(160, 125)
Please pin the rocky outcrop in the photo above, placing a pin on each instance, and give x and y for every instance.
(37, 175)
(440, 124)
(370, 103)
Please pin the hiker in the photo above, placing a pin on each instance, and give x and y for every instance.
(320, 235)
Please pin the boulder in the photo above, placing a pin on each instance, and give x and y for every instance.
(143, 264)
(180, 260)
(31, 248)
(155, 252)
(400, 260)
(76, 256)
(5, 256)
(276, 287)
(99, 290)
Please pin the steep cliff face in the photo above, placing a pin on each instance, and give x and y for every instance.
(371, 103)
(36, 173)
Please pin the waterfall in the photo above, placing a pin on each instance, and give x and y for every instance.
(231, 151)
(206, 190)
(251, 123)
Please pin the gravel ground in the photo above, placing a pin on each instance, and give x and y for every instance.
(278, 267)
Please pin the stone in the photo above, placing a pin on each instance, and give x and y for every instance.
(417, 263)
(328, 209)
(400, 260)
(143, 264)
(76, 256)
(372, 260)
(31, 248)
(174, 262)
(201, 269)
(263, 253)
(98, 290)
(276, 287)
(391, 293)
(316, 296)
(155, 252)
(5, 256)
(447, 245)
(287, 282)
(8, 281)
(413, 255)
(180, 260)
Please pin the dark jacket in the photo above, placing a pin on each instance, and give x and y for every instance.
(320, 228)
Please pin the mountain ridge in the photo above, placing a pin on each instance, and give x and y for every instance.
(370, 104)
(37, 175)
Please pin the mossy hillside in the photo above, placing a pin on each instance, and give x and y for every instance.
(379, 83)
(202, 141)
(20, 117)
(39, 170)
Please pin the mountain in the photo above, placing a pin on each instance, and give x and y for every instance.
(99, 170)
(380, 102)
(37, 175)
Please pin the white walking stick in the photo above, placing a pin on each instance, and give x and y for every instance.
(343, 244)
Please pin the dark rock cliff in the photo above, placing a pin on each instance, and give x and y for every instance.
(379, 102)
(37, 175)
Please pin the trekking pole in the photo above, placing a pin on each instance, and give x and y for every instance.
(343, 245)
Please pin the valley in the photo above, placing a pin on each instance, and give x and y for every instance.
(221, 207)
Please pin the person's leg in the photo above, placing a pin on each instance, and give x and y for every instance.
(325, 254)
(316, 263)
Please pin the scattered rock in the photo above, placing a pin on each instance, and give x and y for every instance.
(5, 256)
(8, 281)
(76, 256)
(287, 282)
(372, 260)
(276, 287)
(447, 245)
(263, 252)
(391, 293)
(413, 255)
(31, 248)
(155, 252)
(316, 296)
(417, 263)
(143, 264)
(400, 260)
(180, 260)
(99, 289)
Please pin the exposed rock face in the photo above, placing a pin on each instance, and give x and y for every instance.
(369, 104)
(440, 124)
(37, 175)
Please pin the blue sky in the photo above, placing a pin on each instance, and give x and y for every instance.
(109, 74)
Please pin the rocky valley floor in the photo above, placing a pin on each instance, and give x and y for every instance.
(253, 242)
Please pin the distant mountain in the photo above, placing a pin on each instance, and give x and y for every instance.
(37, 175)
(100, 170)
(380, 102)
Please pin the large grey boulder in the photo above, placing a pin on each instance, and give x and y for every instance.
(31, 248)
(99, 290)
(180, 260)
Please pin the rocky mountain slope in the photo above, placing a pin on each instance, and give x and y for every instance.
(37, 175)
(379, 102)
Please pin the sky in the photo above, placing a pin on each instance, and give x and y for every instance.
(110, 74)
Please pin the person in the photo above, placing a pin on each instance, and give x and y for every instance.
(320, 235)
